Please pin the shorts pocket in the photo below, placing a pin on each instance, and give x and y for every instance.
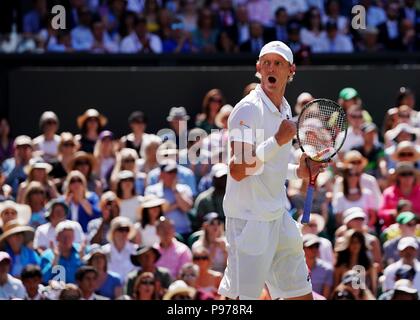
(254, 238)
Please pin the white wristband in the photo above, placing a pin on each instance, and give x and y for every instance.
(267, 149)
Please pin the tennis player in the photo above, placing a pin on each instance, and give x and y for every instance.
(264, 242)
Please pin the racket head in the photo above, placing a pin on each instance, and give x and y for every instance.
(321, 129)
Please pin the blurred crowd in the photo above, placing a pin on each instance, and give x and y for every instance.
(208, 26)
(88, 215)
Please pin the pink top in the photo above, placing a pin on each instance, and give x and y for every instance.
(391, 196)
(174, 257)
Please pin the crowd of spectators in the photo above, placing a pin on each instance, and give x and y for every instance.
(209, 26)
(88, 215)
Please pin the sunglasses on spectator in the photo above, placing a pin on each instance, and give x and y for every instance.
(68, 144)
(404, 115)
(356, 163)
(406, 154)
(123, 229)
(216, 100)
(412, 224)
(356, 116)
(49, 122)
(406, 174)
(76, 180)
(215, 222)
(181, 297)
(200, 258)
(314, 246)
(128, 160)
(147, 282)
(354, 174)
(189, 275)
(82, 163)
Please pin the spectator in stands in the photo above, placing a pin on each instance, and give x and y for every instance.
(145, 258)
(408, 248)
(295, 8)
(407, 224)
(82, 203)
(406, 186)
(178, 122)
(5, 189)
(188, 14)
(81, 36)
(204, 37)
(189, 274)
(109, 284)
(280, 25)
(13, 168)
(152, 208)
(226, 44)
(86, 279)
(10, 287)
(179, 40)
(410, 42)
(37, 171)
(15, 241)
(104, 153)
(353, 287)
(389, 30)
(98, 228)
(141, 41)
(151, 13)
(119, 248)
(300, 50)
(128, 199)
(212, 103)
(405, 272)
(66, 254)
(332, 14)
(34, 20)
(10, 210)
(354, 136)
(63, 43)
(47, 142)
(406, 151)
(31, 277)
(212, 238)
(239, 32)
(35, 197)
(90, 124)
(45, 234)
(148, 150)
(225, 16)
(332, 41)
(208, 280)
(173, 253)
(102, 42)
(257, 39)
(320, 270)
(352, 251)
(313, 28)
(403, 290)
(145, 287)
(211, 200)
(369, 41)
(86, 164)
(138, 124)
(70, 292)
(6, 142)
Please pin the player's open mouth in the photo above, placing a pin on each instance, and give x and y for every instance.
(271, 79)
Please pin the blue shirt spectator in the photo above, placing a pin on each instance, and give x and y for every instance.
(184, 176)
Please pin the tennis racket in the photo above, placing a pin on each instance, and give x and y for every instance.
(321, 132)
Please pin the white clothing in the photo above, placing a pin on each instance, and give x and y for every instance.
(49, 148)
(120, 262)
(132, 44)
(366, 202)
(390, 271)
(45, 233)
(130, 207)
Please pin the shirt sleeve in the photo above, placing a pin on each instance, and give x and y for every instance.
(242, 124)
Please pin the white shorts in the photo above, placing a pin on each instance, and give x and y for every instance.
(269, 252)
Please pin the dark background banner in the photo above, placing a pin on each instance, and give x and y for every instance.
(26, 92)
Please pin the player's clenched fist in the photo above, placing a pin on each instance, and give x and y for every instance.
(286, 132)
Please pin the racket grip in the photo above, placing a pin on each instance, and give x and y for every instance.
(308, 204)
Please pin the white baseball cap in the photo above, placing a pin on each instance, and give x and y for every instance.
(353, 213)
(279, 48)
(406, 242)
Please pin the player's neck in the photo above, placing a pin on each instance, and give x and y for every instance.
(276, 97)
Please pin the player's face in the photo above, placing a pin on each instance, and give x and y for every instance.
(275, 71)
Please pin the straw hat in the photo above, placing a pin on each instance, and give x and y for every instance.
(405, 166)
(142, 250)
(354, 155)
(14, 227)
(91, 113)
(151, 201)
(37, 163)
(121, 222)
(177, 287)
(223, 112)
(342, 243)
(407, 147)
(23, 211)
(81, 155)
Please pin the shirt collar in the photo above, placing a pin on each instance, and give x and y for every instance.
(268, 102)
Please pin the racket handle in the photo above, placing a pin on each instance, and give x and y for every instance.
(308, 204)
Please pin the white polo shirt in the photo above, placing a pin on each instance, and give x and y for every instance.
(263, 195)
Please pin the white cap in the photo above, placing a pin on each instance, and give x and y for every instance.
(353, 213)
(406, 242)
(279, 48)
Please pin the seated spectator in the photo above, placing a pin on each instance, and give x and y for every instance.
(15, 241)
(148, 150)
(86, 279)
(321, 271)
(179, 40)
(212, 238)
(352, 287)
(405, 151)
(35, 197)
(189, 274)
(87, 164)
(66, 254)
(208, 280)
(90, 123)
(126, 160)
(81, 35)
(406, 187)
(138, 124)
(212, 103)
(31, 277)
(6, 145)
(10, 287)
(188, 14)
(256, 40)
(152, 208)
(13, 168)
(393, 230)
(119, 248)
(102, 42)
(128, 200)
(281, 20)
(403, 290)
(332, 14)
(5, 189)
(10, 210)
(104, 154)
(98, 228)
(407, 248)
(45, 234)
(47, 142)
(177, 195)
(401, 132)
(226, 44)
(146, 258)
(352, 251)
(207, 188)
(313, 30)
(145, 287)
(333, 41)
(295, 8)
(405, 272)
(369, 41)
(179, 290)
(141, 40)
(389, 31)
(108, 284)
(70, 292)
(82, 203)
(354, 137)
(173, 253)
(34, 20)
(204, 37)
